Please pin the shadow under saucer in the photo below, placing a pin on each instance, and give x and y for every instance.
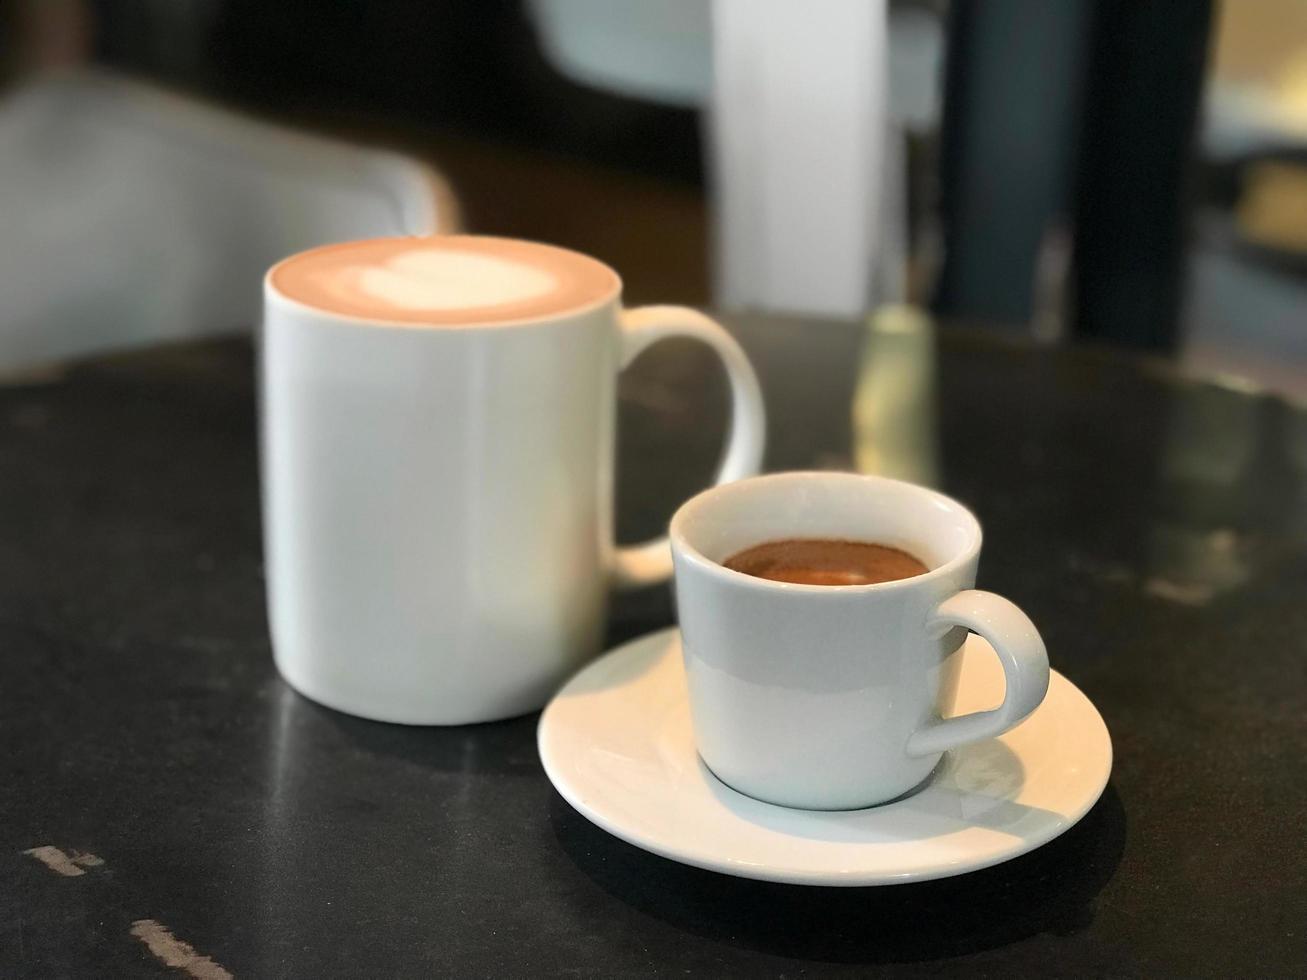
(1051, 889)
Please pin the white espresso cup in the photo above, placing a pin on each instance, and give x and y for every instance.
(438, 421)
(830, 697)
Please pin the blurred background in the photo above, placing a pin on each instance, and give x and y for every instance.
(1091, 170)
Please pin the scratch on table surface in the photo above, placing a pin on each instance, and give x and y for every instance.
(68, 865)
(171, 951)
(1189, 594)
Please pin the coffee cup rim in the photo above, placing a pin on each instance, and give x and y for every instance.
(687, 551)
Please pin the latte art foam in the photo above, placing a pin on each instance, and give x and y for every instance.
(444, 280)
(440, 279)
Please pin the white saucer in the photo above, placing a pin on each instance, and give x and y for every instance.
(616, 743)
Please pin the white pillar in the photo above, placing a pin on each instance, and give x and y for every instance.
(797, 126)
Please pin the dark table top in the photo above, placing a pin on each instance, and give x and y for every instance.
(1154, 528)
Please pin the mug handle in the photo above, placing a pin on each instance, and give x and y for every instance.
(650, 562)
(1025, 666)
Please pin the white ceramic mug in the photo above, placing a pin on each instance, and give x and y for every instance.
(438, 497)
(829, 697)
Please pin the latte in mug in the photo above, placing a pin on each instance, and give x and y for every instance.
(454, 280)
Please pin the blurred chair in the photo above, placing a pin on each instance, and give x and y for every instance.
(656, 51)
(135, 216)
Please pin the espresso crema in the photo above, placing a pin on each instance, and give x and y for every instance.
(445, 280)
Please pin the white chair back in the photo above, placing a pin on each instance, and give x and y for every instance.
(135, 216)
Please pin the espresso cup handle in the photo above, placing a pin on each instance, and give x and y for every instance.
(650, 562)
(1025, 667)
